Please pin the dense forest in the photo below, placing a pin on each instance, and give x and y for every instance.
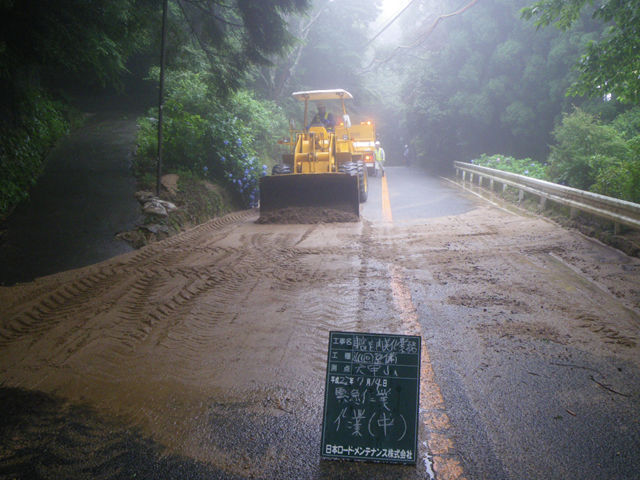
(549, 88)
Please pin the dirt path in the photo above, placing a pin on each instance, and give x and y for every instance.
(207, 351)
(82, 200)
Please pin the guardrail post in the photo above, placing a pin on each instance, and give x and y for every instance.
(617, 228)
(470, 177)
(521, 195)
(574, 213)
(543, 204)
(491, 184)
(457, 172)
(504, 187)
(480, 180)
(464, 175)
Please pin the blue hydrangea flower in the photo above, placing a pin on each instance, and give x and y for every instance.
(205, 169)
(226, 142)
(222, 159)
(239, 142)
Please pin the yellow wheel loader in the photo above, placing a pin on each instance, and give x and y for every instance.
(323, 168)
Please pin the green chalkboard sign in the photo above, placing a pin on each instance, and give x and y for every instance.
(371, 397)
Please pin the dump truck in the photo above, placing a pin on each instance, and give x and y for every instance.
(364, 139)
(323, 167)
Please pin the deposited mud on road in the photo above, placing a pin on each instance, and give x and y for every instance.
(306, 216)
(209, 348)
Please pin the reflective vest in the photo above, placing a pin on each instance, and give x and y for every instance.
(379, 153)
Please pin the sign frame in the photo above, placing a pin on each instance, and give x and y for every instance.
(372, 397)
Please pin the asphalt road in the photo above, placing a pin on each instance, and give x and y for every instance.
(414, 196)
(204, 356)
(82, 200)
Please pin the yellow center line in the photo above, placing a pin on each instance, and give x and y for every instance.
(446, 462)
(386, 204)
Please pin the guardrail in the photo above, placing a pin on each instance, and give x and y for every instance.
(619, 212)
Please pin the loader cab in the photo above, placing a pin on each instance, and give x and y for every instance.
(323, 118)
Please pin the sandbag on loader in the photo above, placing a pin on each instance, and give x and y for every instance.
(323, 171)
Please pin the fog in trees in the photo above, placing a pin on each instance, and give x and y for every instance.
(453, 80)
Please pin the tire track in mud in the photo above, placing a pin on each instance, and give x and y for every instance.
(73, 300)
(185, 322)
(174, 249)
(69, 310)
(289, 346)
(230, 307)
(165, 310)
(52, 304)
(315, 292)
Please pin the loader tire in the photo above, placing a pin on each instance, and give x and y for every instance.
(281, 169)
(357, 168)
(350, 168)
(363, 181)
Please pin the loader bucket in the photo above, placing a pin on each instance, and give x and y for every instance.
(331, 191)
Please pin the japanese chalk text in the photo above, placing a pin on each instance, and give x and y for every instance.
(371, 397)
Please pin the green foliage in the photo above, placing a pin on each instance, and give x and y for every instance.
(23, 147)
(585, 150)
(227, 142)
(628, 124)
(564, 13)
(589, 155)
(489, 82)
(524, 166)
(624, 181)
(267, 123)
(620, 180)
(609, 65)
(236, 35)
(200, 200)
(93, 38)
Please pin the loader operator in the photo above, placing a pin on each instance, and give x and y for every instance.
(323, 118)
(379, 156)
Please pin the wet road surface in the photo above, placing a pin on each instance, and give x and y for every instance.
(205, 354)
(82, 200)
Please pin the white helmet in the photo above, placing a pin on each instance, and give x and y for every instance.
(377, 144)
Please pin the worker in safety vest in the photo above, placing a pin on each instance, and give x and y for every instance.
(323, 118)
(379, 156)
